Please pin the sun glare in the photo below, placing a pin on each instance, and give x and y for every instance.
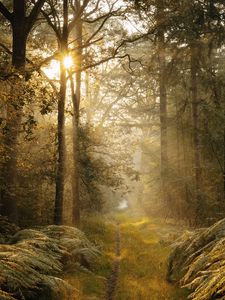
(52, 70)
(67, 62)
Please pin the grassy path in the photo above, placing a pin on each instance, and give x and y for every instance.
(142, 261)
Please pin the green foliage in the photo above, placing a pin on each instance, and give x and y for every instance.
(101, 168)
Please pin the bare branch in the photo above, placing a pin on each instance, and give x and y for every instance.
(31, 19)
(4, 11)
(109, 108)
(6, 49)
(94, 9)
(55, 15)
(85, 3)
(109, 14)
(99, 28)
(48, 59)
(53, 26)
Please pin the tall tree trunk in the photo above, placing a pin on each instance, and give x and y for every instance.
(10, 141)
(163, 104)
(20, 32)
(76, 105)
(185, 147)
(163, 134)
(224, 164)
(75, 173)
(21, 26)
(195, 120)
(60, 176)
(14, 114)
(88, 98)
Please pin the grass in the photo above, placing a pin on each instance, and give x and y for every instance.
(144, 263)
(143, 260)
(92, 285)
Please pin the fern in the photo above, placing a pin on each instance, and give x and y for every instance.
(198, 261)
(7, 229)
(6, 296)
(31, 265)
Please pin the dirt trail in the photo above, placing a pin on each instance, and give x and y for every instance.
(112, 281)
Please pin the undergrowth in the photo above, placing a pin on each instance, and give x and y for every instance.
(32, 262)
(198, 262)
(91, 285)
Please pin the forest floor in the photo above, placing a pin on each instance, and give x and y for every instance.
(133, 263)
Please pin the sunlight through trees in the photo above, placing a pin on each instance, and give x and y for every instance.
(111, 111)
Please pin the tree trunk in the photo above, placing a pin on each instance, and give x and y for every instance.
(14, 115)
(14, 109)
(195, 120)
(60, 176)
(224, 164)
(163, 105)
(75, 174)
(20, 32)
(21, 26)
(88, 98)
(163, 135)
(76, 105)
(19, 48)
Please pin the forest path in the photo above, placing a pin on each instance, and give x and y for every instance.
(133, 265)
(112, 281)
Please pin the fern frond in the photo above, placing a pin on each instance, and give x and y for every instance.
(199, 261)
(34, 260)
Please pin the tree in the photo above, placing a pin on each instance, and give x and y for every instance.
(21, 27)
(163, 100)
(63, 44)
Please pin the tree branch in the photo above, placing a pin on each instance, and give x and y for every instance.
(35, 68)
(99, 28)
(109, 108)
(4, 11)
(93, 10)
(53, 26)
(6, 49)
(34, 14)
